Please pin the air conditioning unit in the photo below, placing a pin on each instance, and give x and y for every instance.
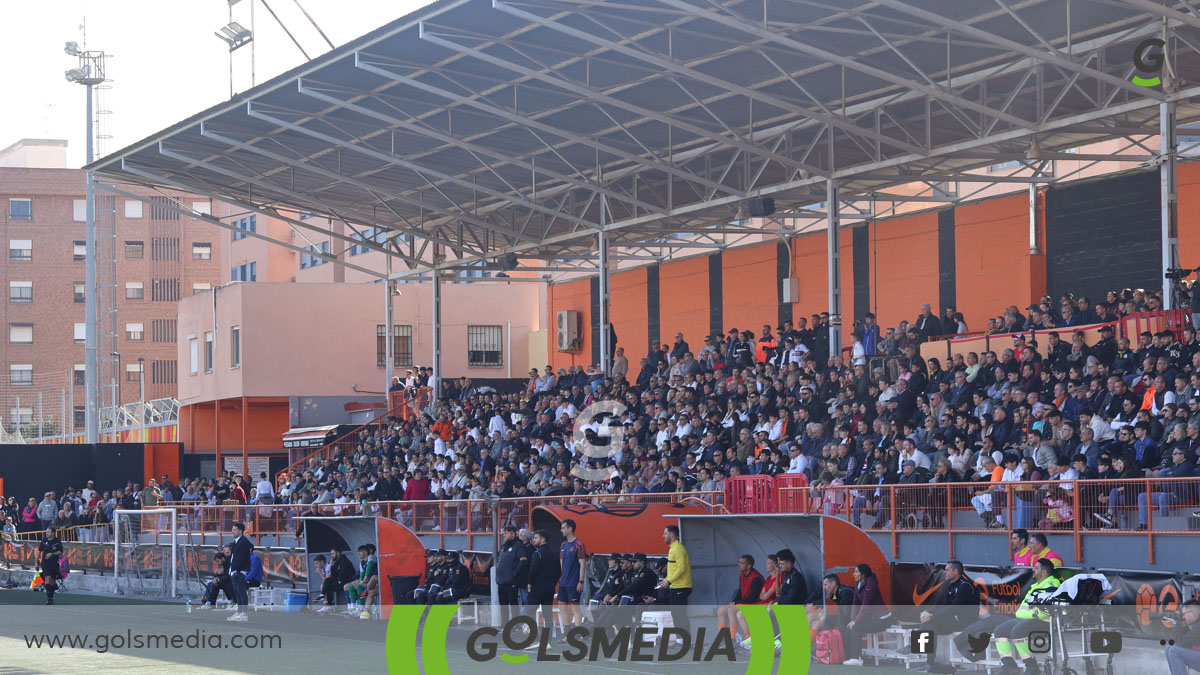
(568, 330)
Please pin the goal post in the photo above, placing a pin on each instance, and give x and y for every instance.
(131, 529)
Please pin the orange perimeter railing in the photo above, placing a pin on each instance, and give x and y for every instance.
(1073, 507)
(275, 525)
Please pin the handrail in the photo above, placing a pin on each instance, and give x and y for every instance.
(945, 507)
(327, 448)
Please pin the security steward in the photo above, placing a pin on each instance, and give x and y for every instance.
(958, 607)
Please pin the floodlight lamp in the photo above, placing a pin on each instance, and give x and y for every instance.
(76, 75)
(1035, 150)
(72, 49)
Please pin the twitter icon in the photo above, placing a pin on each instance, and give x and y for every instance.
(977, 644)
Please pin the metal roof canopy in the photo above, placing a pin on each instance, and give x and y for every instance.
(486, 127)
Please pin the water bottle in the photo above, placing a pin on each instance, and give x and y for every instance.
(189, 605)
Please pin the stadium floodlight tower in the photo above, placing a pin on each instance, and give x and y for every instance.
(89, 73)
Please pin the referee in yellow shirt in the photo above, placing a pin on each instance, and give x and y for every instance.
(679, 577)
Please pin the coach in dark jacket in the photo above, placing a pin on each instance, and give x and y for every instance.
(543, 577)
(512, 571)
(959, 607)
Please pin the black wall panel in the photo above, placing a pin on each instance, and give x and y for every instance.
(947, 274)
(860, 269)
(716, 294)
(595, 289)
(652, 317)
(1103, 234)
(32, 470)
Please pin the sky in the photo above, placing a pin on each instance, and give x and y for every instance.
(165, 63)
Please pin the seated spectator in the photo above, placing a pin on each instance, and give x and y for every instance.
(335, 575)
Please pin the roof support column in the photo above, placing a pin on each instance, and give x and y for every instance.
(1033, 244)
(834, 265)
(606, 346)
(436, 379)
(389, 347)
(1168, 145)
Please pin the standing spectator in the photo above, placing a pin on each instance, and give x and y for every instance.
(239, 568)
(266, 491)
(928, 325)
(47, 510)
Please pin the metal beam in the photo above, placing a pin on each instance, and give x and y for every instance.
(598, 97)
(1046, 56)
(676, 67)
(939, 93)
(833, 263)
(1168, 184)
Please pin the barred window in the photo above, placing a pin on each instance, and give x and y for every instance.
(162, 330)
(164, 290)
(163, 372)
(401, 345)
(483, 346)
(164, 248)
(135, 250)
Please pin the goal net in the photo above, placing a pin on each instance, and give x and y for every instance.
(147, 556)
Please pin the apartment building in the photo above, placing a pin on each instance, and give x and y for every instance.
(149, 257)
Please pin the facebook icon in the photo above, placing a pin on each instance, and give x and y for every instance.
(922, 642)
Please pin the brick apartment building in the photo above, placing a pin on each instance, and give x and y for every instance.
(158, 257)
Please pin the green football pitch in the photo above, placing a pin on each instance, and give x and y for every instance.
(104, 627)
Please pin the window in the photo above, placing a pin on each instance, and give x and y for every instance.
(208, 352)
(133, 371)
(80, 414)
(80, 251)
(20, 209)
(375, 235)
(401, 345)
(22, 415)
(79, 208)
(247, 272)
(20, 250)
(1003, 166)
(80, 374)
(483, 346)
(305, 215)
(203, 208)
(193, 355)
(135, 290)
(201, 251)
(133, 208)
(135, 250)
(247, 224)
(20, 291)
(307, 260)
(201, 286)
(80, 291)
(20, 375)
(20, 333)
(235, 347)
(80, 333)
(135, 332)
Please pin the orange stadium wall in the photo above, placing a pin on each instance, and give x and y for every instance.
(975, 256)
(266, 422)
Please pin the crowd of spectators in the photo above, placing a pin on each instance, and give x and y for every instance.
(776, 401)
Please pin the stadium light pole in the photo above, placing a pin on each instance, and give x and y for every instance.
(142, 394)
(833, 260)
(89, 73)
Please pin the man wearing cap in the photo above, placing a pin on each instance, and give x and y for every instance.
(457, 582)
(433, 577)
(639, 582)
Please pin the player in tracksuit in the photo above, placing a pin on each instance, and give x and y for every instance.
(457, 584)
(433, 578)
(544, 572)
(640, 582)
